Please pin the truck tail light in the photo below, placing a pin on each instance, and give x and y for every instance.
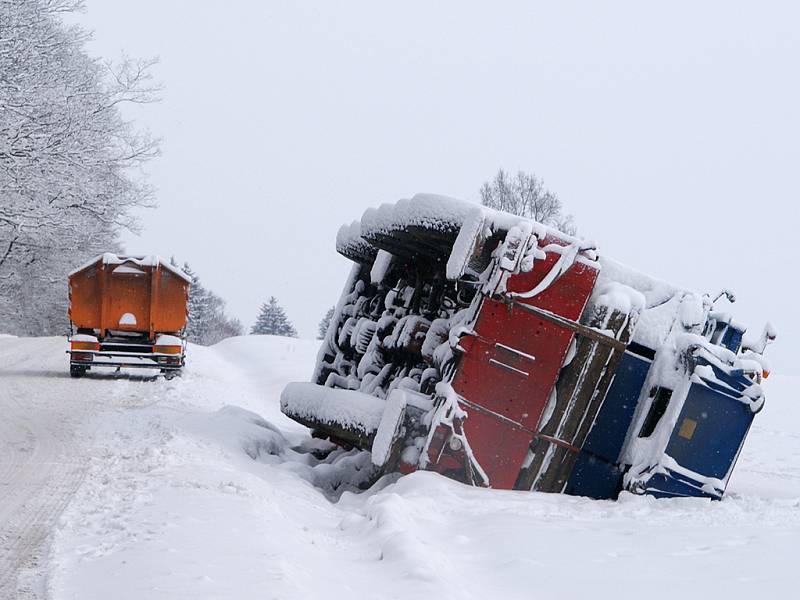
(95, 346)
(168, 349)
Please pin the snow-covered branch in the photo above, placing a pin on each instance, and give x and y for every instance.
(69, 159)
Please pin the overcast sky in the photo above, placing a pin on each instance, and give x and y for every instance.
(669, 130)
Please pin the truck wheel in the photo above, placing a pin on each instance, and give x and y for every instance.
(77, 371)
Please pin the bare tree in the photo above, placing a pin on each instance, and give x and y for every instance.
(525, 195)
(69, 161)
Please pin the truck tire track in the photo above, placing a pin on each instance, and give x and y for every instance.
(42, 454)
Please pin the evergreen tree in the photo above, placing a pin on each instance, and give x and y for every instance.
(325, 323)
(208, 323)
(272, 320)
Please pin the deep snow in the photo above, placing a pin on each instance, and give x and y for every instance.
(193, 491)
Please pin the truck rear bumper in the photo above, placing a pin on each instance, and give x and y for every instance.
(150, 360)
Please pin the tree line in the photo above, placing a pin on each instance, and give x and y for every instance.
(70, 163)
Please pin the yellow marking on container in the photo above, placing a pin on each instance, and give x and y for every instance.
(687, 428)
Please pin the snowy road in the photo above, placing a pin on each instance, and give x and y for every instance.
(42, 454)
(48, 428)
(175, 490)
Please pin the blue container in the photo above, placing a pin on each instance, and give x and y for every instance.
(596, 473)
(594, 477)
(707, 438)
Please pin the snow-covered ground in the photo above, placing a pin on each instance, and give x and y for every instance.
(190, 489)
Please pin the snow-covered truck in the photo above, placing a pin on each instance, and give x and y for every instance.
(127, 311)
(503, 353)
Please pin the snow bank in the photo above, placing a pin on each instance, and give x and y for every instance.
(175, 506)
(266, 362)
(237, 428)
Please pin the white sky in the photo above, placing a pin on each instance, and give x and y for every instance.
(670, 131)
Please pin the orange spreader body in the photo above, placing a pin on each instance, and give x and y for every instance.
(128, 294)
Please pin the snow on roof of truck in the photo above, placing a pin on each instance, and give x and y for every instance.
(152, 260)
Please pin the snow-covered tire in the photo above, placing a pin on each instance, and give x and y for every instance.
(77, 371)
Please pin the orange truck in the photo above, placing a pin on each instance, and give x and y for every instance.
(127, 311)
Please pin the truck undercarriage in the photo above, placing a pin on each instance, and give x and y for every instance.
(502, 353)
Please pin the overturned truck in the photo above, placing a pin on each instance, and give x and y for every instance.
(503, 353)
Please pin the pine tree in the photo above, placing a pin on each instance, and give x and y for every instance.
(272, 320)
(325, 323)
(208, 323)
(196, 326)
